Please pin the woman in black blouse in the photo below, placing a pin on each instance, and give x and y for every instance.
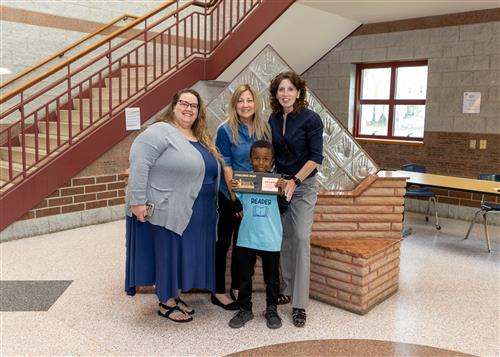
(297, 134)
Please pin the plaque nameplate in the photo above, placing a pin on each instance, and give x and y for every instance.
(256, 182)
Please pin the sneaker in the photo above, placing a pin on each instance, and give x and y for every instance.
(241, 318)
(273, 320)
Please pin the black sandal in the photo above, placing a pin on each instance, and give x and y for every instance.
(171, 310)
(299, 317)
(283, 299)
(184, 306)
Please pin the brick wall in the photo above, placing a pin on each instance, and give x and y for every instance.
(462, 198)
(353, 281)
(81, 193)
(442, 154)
(355, 244)
(376, 213)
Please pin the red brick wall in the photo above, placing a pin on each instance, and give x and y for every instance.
(462, 198)
(376, 213)
(81, 193)
(441, 153)
(354, 283)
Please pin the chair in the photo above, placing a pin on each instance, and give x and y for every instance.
(422, 192)
(485, 209)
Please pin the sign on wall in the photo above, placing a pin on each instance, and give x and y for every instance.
(472, 103)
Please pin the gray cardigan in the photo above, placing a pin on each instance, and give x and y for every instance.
(168, 171)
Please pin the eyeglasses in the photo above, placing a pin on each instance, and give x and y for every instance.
(185, 105)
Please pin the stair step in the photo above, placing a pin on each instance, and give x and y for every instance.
(84, 103)
(4, 170)
(30, 140)
(141, 72)
(104, 92)
(134, 84)
(17, 154)
(63, 127)
(75, 115)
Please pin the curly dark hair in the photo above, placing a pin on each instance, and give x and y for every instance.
(261, 144)
(298, 83)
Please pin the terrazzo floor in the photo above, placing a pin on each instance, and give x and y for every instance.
(448, 298)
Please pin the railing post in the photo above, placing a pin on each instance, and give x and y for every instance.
(177, 39)
(145, 56)
(91, 108)
(110, 90)
(205, 36)
(9, 152)
(58, 130)
(70, 106)
(23, 143)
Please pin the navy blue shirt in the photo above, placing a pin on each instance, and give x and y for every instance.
(303, 140)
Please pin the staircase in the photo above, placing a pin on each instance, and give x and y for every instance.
(58, 129)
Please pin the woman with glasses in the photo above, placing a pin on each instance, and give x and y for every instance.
(172, 196)
(298, 144)
(244, 125)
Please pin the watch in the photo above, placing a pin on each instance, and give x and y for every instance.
(297, 181)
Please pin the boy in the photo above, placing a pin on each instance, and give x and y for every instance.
(260, 234)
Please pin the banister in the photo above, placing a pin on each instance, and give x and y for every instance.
(51, 138)
(66, 49)
(97, 45)
(140, 33)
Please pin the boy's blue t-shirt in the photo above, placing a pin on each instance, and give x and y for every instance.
(261, 224)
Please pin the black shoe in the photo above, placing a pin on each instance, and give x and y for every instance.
(233, 306)
(299, 317)
(273, 320)
(240, 319)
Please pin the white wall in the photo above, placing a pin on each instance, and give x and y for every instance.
(302, 35)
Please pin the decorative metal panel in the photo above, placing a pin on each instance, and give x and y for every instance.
(345, 164)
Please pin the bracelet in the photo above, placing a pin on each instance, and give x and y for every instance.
(297, 181)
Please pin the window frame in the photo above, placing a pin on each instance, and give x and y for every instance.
(391, 102)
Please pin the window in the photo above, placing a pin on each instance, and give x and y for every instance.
(390, 100)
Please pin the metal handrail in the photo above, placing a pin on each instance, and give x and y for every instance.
(84, 52)
(89, 49)
(69, 48)
(81, 94)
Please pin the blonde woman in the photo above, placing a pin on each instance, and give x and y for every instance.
(235, 136)
(174, 168)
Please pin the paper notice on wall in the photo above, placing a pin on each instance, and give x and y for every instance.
(472, 103)
(132, 118)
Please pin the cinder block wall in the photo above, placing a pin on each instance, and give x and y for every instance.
(461, 57)
(43, 27)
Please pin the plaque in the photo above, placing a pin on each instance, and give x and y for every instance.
(256, 182)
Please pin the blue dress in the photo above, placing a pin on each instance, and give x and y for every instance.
(156, 255)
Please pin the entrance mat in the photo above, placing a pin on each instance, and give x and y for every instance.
(30, 295)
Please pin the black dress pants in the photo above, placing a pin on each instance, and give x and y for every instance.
(270, 267)
(227, 230)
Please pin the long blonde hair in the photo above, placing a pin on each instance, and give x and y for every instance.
(200, 127)
(261, 128)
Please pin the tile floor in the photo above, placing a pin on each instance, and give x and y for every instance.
(448, 298)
